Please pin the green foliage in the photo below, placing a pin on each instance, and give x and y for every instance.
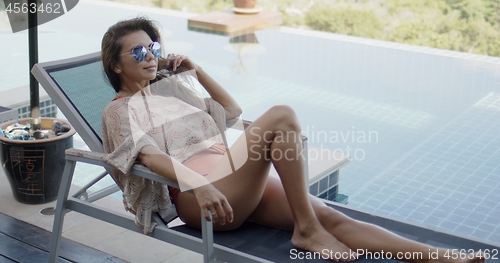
(492, 13)
(425, 32)
(293, 21)
(348, 21)
(461, 25)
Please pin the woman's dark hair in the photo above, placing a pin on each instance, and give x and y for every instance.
(111, 45)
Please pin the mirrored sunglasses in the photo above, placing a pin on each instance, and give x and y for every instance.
(139, 53)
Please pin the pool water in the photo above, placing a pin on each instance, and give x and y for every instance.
(421, 125)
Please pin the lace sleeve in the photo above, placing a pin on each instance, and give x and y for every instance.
(122, 141)
(122, 138)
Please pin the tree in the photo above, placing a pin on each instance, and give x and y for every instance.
(349, 21)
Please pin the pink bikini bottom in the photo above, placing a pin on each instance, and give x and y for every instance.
(203, 163)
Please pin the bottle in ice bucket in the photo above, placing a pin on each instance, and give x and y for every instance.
(56, 126)
(33, 131)
(16, 131)
(59, 129)
(35, 124)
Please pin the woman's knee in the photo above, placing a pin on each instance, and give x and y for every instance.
(284, 118)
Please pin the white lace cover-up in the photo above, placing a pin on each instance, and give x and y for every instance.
(169, 123)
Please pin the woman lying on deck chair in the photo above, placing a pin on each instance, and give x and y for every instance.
(189, 146)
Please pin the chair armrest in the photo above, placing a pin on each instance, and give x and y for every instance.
(98, 159)
(72, 152)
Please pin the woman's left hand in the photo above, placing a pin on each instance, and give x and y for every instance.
(184, 60)
(211, 200)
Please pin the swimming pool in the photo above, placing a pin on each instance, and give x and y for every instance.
(420, 124)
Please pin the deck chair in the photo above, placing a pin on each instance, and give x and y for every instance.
(73, 85)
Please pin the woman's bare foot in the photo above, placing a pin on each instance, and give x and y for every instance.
(320, 241)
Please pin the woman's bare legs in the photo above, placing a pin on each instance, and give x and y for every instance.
(286, 204)
(270, 137)
(273, 211)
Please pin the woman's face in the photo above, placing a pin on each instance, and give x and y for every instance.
(131, 71)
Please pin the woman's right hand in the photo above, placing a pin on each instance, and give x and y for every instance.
(213, 201)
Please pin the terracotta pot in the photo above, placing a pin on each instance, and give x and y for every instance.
(244, 3)
(35, 168)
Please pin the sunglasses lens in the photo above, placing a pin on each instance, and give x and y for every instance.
(139, 53)
(155, 49)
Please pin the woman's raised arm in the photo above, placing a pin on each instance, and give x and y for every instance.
(216, 91)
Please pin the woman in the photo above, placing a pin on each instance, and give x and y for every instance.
(131, 58)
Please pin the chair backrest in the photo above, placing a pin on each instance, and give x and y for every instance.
(78, 86)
